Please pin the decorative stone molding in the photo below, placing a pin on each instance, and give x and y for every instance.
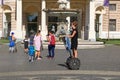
(62, 4)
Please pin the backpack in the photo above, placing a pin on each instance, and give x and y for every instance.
(52, 42)
(12, 44)
(31, 50)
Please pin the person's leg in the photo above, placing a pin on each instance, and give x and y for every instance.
(10, 49)
(36, 54)
(48, 51)
(31, 58)
(75, 53)
(69, 50)
(15, 48)
(52, 51)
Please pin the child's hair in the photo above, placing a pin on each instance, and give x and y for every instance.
(12, 33)
(51, 32)
(75, 23)
(38, 32)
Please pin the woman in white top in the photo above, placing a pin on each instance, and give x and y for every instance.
(37, 44)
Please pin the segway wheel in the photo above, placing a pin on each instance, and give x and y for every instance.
(68, 60)
(74, 64)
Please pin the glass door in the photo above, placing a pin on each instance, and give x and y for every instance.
(32, 23)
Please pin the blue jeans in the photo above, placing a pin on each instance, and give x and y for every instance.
(51, 50)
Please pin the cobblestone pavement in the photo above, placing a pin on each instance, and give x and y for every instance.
(96, 64)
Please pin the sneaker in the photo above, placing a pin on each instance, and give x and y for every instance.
(38, 58)
(29, 60)
(41, 57)
(51, 57)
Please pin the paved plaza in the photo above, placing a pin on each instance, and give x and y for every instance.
(96, 64)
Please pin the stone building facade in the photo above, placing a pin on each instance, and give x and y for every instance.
(94, 19)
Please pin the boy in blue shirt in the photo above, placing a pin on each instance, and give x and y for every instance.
(31, 52)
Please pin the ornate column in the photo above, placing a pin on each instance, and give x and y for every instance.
(43, 21)
(19, 19)
(100, 25)
(91, 34)
(3, 23)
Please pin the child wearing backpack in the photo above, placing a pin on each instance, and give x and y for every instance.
(12, 42)
(51, 44)
(31, 52)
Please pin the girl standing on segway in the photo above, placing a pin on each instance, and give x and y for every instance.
(74, 39)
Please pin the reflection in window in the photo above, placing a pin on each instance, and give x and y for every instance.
(32, 17)
(112, 25)
(112, 7)
(52, 19)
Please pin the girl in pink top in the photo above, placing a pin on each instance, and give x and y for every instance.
(37, 44)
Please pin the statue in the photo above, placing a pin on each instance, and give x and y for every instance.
(62, 4)
(53, 28)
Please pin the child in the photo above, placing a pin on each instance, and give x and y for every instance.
(31, 52)
(26, 41)
(12, 42)
(37, 44)
(51, 45)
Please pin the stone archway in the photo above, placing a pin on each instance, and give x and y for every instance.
(6, 20)
(99, 11)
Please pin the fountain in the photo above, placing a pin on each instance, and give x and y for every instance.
(62, 13)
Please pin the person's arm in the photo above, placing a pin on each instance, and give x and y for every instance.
(13, 38)
(74, 32)
(47, 38)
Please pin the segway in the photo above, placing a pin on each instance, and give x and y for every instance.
(72, 63)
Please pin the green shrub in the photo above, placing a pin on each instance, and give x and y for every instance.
(110, 41)
(4, 40)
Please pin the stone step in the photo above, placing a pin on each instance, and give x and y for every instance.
(81, 45)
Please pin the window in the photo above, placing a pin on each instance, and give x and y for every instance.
(112, 7)
(32, 17)
(52, 19)
(52, 23)
(112, 25)
(32, 23)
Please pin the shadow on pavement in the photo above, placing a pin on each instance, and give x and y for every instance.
(63, 65)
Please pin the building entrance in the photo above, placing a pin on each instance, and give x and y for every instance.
(7, 24)
(32, 23)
